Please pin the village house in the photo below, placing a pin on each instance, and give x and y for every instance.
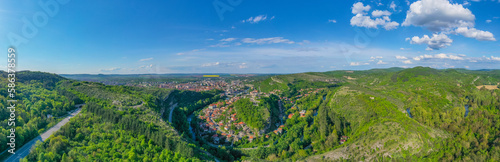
(343, 139)
(303, 113)
(216, 139)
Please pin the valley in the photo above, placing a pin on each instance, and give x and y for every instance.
(384, 114)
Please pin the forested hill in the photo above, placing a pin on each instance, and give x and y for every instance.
(455, 115)
(117, 122)
(39, 98)
(416, 114)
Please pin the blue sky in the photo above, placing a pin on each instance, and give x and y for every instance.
(243, 36)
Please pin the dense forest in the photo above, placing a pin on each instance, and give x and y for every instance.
(39, 102)
(117, 123)
(416, 114)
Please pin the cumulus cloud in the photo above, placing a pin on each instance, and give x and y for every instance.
(401, 57)
(441, 16)
(436, 42)
(271, 40)
(256, 19)
(361, 18)
(378, 13)
(440, 56)
(332, 21)
(488, 21)
(393, 6)
(438, 15)
(476, 34)
(358, 63)
(380, 62)
(495, 58)
(359, 8)
(407, 62)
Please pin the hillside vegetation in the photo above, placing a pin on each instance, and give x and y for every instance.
(416, 114)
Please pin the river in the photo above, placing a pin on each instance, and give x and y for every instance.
(190, 117)
(466, 110)
(409, 113)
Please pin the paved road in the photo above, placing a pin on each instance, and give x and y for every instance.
(25, 150)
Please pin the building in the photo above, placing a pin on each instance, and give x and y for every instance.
(216, 139)
(212, 106)
(303, 113)
(280, 130)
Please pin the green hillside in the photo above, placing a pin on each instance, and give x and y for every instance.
(417, 114)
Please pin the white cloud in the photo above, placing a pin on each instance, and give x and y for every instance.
(210, 64)
(393, 6)
(146, 59)
(358, 63)
(359, 8)
(146, 66)
(228, 39)
(365, 21)
(378, 13)
(381, 62)
(401, 57)
(110, 69)
(438, 15)
(440, 56)
(221, 44)
(407, 62)
(180, 53)
(361, 18)
(256, 19)
(243, 66)
(332, 21)
(437, 41)
(267, 40)
(445, 17)
(488, 21)
(495, 58)
(476, 34)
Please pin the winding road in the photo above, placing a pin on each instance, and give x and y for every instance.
(25, 150)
